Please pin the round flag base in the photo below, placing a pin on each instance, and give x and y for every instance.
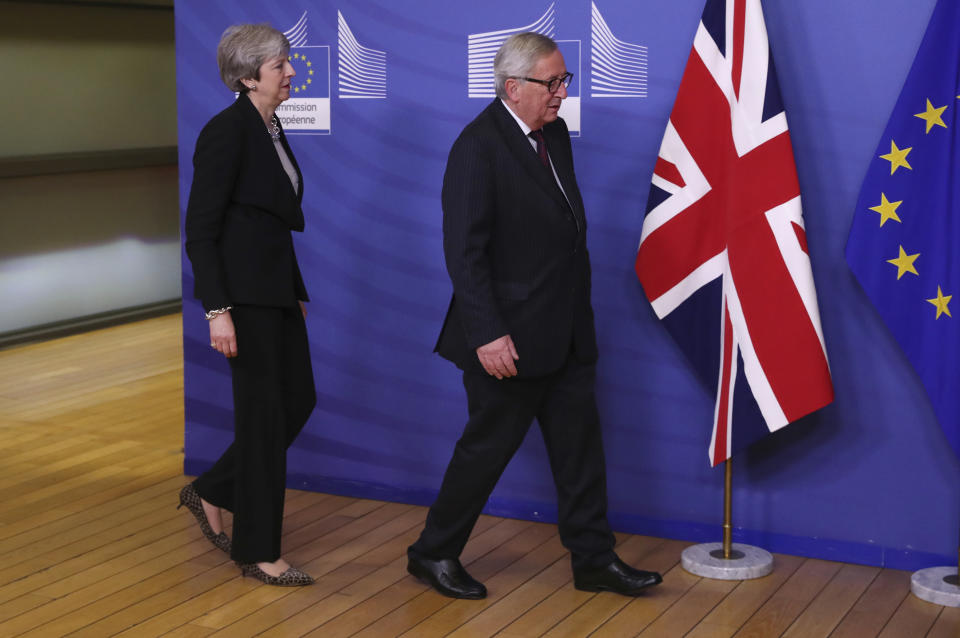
(746, 561)
(929, 585)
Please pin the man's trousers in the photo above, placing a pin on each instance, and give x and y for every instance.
(500, 413)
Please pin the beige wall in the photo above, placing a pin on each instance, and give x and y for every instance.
(86, 78)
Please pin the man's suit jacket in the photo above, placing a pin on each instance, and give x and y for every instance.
(515, 248)
(241, 210)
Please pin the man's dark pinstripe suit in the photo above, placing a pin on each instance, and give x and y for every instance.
(516, 252)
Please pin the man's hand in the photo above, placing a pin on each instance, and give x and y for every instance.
(223, 337)
(497, 357)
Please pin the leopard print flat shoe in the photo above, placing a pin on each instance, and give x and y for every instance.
(190, 499)
(292, 577)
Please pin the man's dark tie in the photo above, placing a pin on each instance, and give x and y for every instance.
(541, 147)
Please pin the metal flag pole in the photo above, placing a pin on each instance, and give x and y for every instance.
(727, 509)
(955, 579)
(724, 561)
(726, 551)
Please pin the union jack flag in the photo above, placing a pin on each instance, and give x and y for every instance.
(723, 253)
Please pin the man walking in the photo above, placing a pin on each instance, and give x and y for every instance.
(520, 325)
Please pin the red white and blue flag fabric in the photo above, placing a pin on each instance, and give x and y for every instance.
(723, 254)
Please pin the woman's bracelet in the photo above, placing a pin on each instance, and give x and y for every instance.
(210, 314)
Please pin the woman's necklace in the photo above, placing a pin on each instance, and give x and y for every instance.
(273, 128)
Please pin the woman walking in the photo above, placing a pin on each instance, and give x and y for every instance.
(244, 202)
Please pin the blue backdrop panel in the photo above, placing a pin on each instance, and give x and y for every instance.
(852, 482)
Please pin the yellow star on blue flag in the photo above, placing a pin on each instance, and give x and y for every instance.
(924, 123)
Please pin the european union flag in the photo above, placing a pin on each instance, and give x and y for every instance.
(904, 245)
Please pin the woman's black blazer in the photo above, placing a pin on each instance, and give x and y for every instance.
(241, 210)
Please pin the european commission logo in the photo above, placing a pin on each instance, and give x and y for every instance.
(307, 112)
(617, 68)
(483, 47)
(362, 70)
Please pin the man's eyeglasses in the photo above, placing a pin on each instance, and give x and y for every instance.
(553, 84)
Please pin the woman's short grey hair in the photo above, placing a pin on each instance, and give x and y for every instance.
(517, 57)
(244, 48)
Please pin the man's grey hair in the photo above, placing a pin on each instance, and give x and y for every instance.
(244, 48)
(517, 57)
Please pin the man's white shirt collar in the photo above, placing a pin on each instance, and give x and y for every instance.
(523, 125)
(533, 143)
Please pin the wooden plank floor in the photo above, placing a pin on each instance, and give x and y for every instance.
(91, 545)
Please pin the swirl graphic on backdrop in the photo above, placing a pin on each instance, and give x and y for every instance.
(482, 47)
(307, 112)
(362, 71)
(297, 34)
(618, 68)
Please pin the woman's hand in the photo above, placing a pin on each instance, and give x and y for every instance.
(223, 337)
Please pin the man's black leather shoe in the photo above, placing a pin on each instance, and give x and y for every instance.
(447, 576)
(617, 577)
